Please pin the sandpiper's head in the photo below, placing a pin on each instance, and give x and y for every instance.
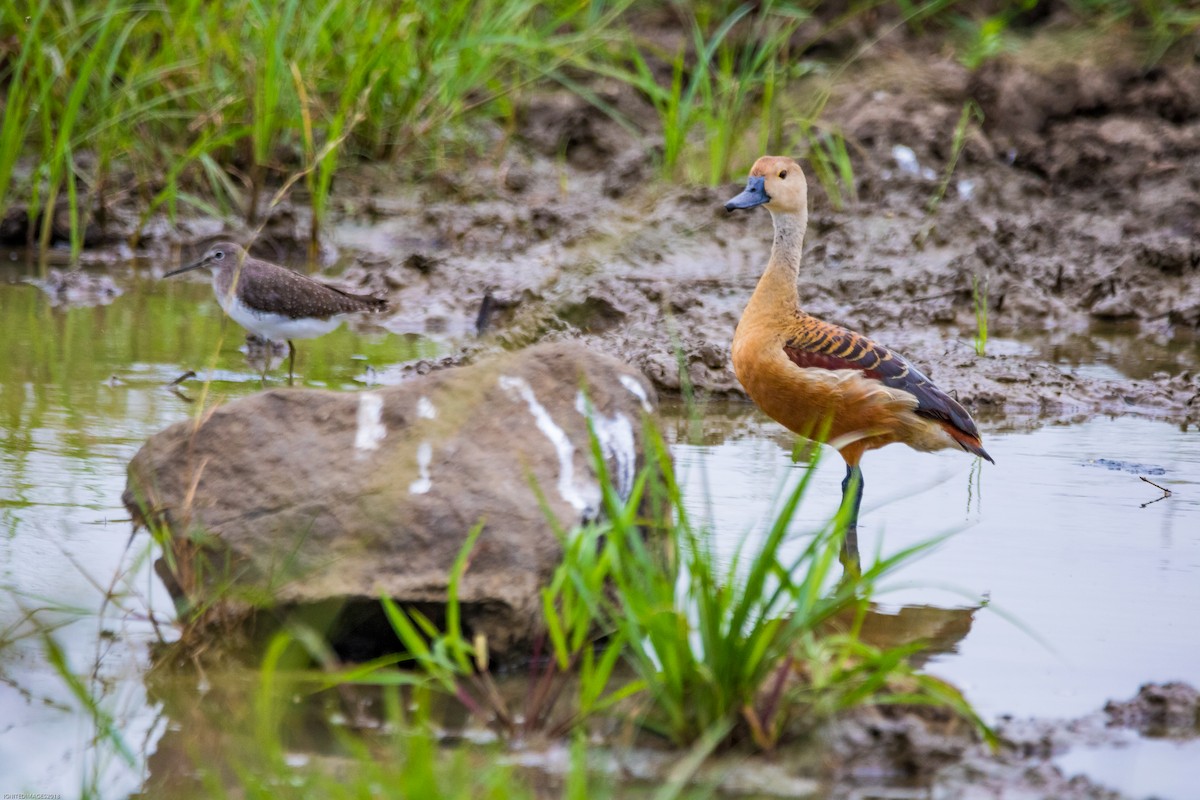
(777, 181)
(220, 254)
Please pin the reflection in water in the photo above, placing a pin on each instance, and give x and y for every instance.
(699, 441)
(1121, 350)
(263, 355)
(939, 630)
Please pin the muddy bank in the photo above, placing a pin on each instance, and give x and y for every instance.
(875, 747)
(1075, 200)
(890, 751)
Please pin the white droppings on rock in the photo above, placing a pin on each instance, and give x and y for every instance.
(568, 487)
(425, 409)
(371, 430)
(635, 387)
(424, 481)
(615, 435)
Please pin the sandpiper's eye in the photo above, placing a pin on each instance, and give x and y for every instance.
(782, 174)
(218, 255)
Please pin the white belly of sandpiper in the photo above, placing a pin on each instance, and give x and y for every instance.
(276, 327)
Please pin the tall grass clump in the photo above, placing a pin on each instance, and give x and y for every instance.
(725, 81)
(568, 656)
(714, 653)
(830, 159)
(214, 105)
(1160, 24)
(727, 651)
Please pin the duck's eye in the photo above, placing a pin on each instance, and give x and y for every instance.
(782, 174)
(218, 255)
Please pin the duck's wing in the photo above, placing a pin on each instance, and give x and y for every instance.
(819, 345)
(269, 288)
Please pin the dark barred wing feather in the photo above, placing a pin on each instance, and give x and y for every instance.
(824, 346)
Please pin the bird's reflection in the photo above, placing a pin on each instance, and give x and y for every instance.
(263, 355)
(939, 629)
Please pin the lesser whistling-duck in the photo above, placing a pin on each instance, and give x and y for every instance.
(822, 381)
(274, 302)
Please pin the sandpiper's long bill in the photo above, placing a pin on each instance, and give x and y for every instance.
(274, 302)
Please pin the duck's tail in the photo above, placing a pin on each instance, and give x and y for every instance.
(968, 442)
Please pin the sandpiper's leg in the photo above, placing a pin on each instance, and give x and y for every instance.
(852, 488)
(291, 360)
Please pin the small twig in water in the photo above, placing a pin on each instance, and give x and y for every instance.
(1165, 492)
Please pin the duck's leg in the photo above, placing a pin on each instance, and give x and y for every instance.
(852, 491)
(291, 360)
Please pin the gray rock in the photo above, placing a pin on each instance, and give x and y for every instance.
(294, 497)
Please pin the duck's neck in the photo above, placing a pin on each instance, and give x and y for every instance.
(776, 292)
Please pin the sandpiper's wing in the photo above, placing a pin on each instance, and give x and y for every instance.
(273, 289)
(817, 344)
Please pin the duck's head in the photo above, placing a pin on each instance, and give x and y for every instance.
(777, 180)
(220, 254)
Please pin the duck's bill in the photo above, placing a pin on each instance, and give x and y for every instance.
(755, 194)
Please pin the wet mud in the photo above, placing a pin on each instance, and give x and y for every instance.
(876, 747)
(1075, 201)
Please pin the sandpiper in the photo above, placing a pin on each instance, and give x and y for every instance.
(274, 302)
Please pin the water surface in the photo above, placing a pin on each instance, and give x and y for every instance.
(81, 388)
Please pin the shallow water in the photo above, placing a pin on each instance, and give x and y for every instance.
(1087, 582)
(1065, 580)
(1109, 351)
(1061, 586)
(81, 388)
